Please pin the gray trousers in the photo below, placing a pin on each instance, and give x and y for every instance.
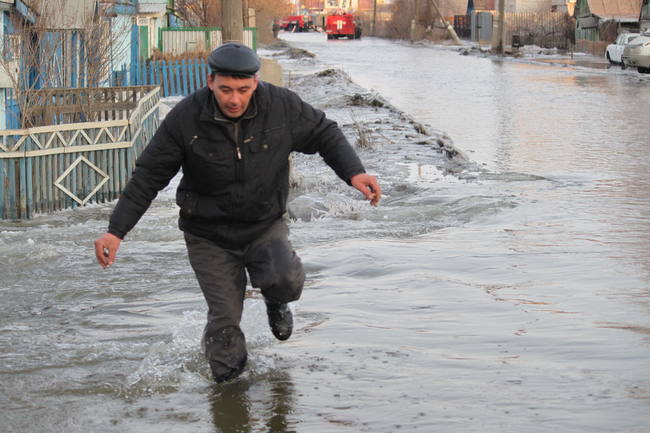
(273, 267)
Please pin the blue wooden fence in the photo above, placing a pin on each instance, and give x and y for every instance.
(175, 77)
(54, 167)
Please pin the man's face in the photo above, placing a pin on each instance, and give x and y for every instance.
(233, 94)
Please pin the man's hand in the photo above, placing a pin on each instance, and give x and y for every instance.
(106, 247)
(368, 185)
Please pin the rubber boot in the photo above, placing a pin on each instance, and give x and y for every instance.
(280, 320)
(225, 349)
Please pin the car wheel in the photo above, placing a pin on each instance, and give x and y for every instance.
(623, 66)
(643, 70)
(609, 59)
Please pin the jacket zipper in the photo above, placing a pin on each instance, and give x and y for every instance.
(238, 163)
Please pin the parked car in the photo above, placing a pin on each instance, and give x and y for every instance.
(615, 50)
(637, 53)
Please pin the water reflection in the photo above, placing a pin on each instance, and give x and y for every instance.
(254, 404)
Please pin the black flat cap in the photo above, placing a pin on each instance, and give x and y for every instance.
(234, 59)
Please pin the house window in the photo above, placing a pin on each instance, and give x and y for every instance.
(11, 48)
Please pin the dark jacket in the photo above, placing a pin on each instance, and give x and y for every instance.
(235, 174)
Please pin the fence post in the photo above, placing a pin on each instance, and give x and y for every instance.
(186, 77)
(177, 69)
(132, 74)
(11, 190)
(197, 73)
(152, 73)
(165, 84)
(205, 72)
(3, 182)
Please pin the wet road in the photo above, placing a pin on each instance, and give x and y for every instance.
(511, 295)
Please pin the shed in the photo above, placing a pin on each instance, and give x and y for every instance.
(150, 19)
(599, 21)
(592, 12)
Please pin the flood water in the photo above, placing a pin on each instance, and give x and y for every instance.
(509, 295)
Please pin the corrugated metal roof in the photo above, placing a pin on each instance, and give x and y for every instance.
(615, 9)
(151, 8)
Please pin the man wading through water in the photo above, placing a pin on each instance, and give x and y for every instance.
(233, 139)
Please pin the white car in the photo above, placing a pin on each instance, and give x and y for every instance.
(615, 51)
(637, 53)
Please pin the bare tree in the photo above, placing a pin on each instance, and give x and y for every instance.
(30, 60)
(207, 13)
(102, 42)
(198, 13)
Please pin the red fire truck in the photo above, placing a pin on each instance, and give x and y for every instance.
(342, 26)
(297, 23)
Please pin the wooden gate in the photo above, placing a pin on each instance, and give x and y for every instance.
(65, 165)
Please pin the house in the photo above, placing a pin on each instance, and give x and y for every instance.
(151, 16)
(9, 117)
(61, 43)
(124, 35)
(599, 21)
(63, 49)
(5, 80)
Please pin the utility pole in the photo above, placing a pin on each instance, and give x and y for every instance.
(374, 17)
(501, 29)
(449, 27)
(232, 22)
(245, 13)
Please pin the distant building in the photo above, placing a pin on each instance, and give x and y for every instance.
(481, 5)
(5, 79)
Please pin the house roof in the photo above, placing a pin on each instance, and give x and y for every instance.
(152, 8)
(618, 10)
